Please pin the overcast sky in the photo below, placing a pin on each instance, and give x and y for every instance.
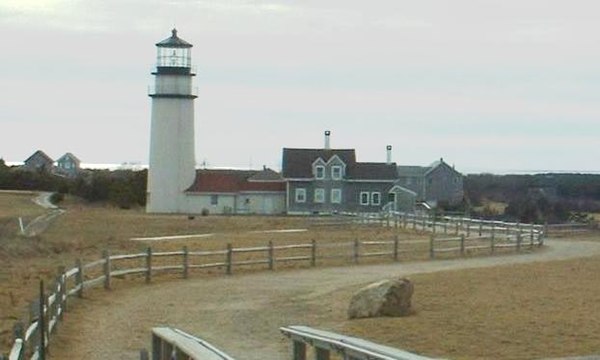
(489, 85)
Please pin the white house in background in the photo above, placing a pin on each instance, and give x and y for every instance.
(237, 192)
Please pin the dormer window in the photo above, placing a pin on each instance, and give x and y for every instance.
(336, 172)
(320, 172)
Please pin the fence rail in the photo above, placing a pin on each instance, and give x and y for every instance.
(45, 317)
(324, 343)
(174, 344)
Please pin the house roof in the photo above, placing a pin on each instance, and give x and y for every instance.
(69, 156)
(38, 154)
(418, 171)
(372, 171)
(234, 181)
(404, 170)
(297, 163)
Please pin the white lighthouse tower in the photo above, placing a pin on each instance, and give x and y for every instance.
(172, 161)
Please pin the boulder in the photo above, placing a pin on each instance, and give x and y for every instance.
(383, 298)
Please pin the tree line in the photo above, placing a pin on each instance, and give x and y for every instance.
(539, 198)
(123, 188)
(536, 198)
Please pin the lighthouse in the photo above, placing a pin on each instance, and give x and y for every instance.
(172, 162)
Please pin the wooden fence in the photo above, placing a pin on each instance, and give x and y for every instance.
(569, 229)
(45, 315)
(174, 344)
(324, 343)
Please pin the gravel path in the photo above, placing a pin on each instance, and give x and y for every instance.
(241, 314)
(41, 223)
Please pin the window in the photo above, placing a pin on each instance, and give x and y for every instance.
(336, 172)
(214, 199)
(375, 198)
(319, 195)
(336, 196)
(364, 198)
(300, 195)
(320, 172)
(408, 181)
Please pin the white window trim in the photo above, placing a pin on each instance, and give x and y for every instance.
(336, 199)
(373, 198)
(367, 195)
(317, 167)
(300, 192)
(319, 199)
(341, 174)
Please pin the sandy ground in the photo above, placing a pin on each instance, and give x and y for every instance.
(241, 314)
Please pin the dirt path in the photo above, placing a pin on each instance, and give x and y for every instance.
(241, 314)
(41, 223)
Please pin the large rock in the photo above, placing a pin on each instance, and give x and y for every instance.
(383, 298)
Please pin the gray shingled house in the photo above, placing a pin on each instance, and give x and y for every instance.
(68, 164)
(325, 181)
(39, 161)
(434, 184)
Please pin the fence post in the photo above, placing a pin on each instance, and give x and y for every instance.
(79, 278)
(431, 249)
(445, 227)
(19, 334)
(313, 253)
(424, 223)
(356, 250)
(519, 241)
(396, 248)
(493, 240)
(531, 231)
(47, 317)
(144, 355)
(148, 265)
(42, 323)
(404, 224)
(414, 222)
(299, 349)
(229, 256)
(34, 308)
(468, 227)
(545, 234)
(186, 262)
(106, 256)
(462, 245)
(456, 228)
(321, 354)
(62, 294)
(480, 227)
(271, 255)
(432, 225)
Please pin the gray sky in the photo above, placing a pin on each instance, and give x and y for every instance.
(489, 85)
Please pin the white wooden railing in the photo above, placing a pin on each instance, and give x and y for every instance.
(350, 348)
(174, 344)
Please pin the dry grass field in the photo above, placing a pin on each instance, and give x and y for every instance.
(503, 312)
(84, 231)
(528, 311)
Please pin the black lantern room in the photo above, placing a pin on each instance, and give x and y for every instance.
(174, 55)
